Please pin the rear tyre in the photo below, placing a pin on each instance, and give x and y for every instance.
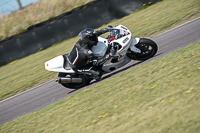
(85, 82)
(148, 49)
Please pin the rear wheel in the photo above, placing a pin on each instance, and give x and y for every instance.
(85, 82)
(148, 49)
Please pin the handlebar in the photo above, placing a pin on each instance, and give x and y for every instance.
(115, 33)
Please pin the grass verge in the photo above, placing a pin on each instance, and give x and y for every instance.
(25, 73)
(161, 96)
(20, 20)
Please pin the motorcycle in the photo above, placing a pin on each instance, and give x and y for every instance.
(127, 49)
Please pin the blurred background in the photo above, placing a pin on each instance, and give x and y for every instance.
(8, 6)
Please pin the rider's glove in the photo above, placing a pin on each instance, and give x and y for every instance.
(109, 26)
(107, 29)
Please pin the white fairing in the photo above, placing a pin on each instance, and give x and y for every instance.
(133, 43)
(109, 66)
(56, 65)
(125, 42)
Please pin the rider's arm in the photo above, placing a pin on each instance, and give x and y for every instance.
(102, 31)
(98, 62)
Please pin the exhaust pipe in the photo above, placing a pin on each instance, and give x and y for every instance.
(69, 80)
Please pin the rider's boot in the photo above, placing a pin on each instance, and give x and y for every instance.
(97, 74)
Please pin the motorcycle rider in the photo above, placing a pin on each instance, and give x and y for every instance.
(81, 56)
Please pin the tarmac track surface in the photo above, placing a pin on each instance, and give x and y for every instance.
(52, 92)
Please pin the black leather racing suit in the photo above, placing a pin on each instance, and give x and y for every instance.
(81, 56)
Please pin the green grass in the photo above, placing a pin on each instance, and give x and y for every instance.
(159, 97)
(20, 20)
(25, 73)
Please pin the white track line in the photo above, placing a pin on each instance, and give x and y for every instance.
(177, 27)
(25, 92)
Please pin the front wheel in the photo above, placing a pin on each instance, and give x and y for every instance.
(148, 49)
(85, 82)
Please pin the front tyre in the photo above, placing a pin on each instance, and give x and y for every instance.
(148, 49)
(85, 82)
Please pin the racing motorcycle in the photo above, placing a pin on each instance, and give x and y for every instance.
(127, 49)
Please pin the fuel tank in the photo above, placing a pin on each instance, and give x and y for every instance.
(100, 49)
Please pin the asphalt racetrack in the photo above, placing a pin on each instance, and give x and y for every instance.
(52, 92)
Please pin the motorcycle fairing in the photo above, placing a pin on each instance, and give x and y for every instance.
(109, 66)
(57, 65)
(133, 43)
(125, 43)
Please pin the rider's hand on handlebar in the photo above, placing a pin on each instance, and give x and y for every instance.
(109, 26)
